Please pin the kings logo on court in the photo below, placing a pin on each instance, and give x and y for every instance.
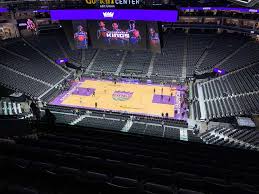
(121, 95)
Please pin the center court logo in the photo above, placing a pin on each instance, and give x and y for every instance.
(121, 95)
(108, 14)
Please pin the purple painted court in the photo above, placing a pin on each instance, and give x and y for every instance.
(163, 99)
(83, 91)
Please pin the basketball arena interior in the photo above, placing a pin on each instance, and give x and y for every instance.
(129, 97)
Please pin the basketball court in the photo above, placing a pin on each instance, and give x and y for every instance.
(137, 98)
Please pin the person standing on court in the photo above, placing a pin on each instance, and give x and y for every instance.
(161, 93)
(81, 101)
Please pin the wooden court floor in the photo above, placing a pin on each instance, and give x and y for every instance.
(138, 101)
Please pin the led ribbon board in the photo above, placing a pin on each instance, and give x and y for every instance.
(243, 10)
(115, 14)
(219, 71)
(61, 61)
(3, 10)
(41, 11)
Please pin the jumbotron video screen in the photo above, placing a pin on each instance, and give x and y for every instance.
(126, 35)
(118, 34)
(80, 34)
